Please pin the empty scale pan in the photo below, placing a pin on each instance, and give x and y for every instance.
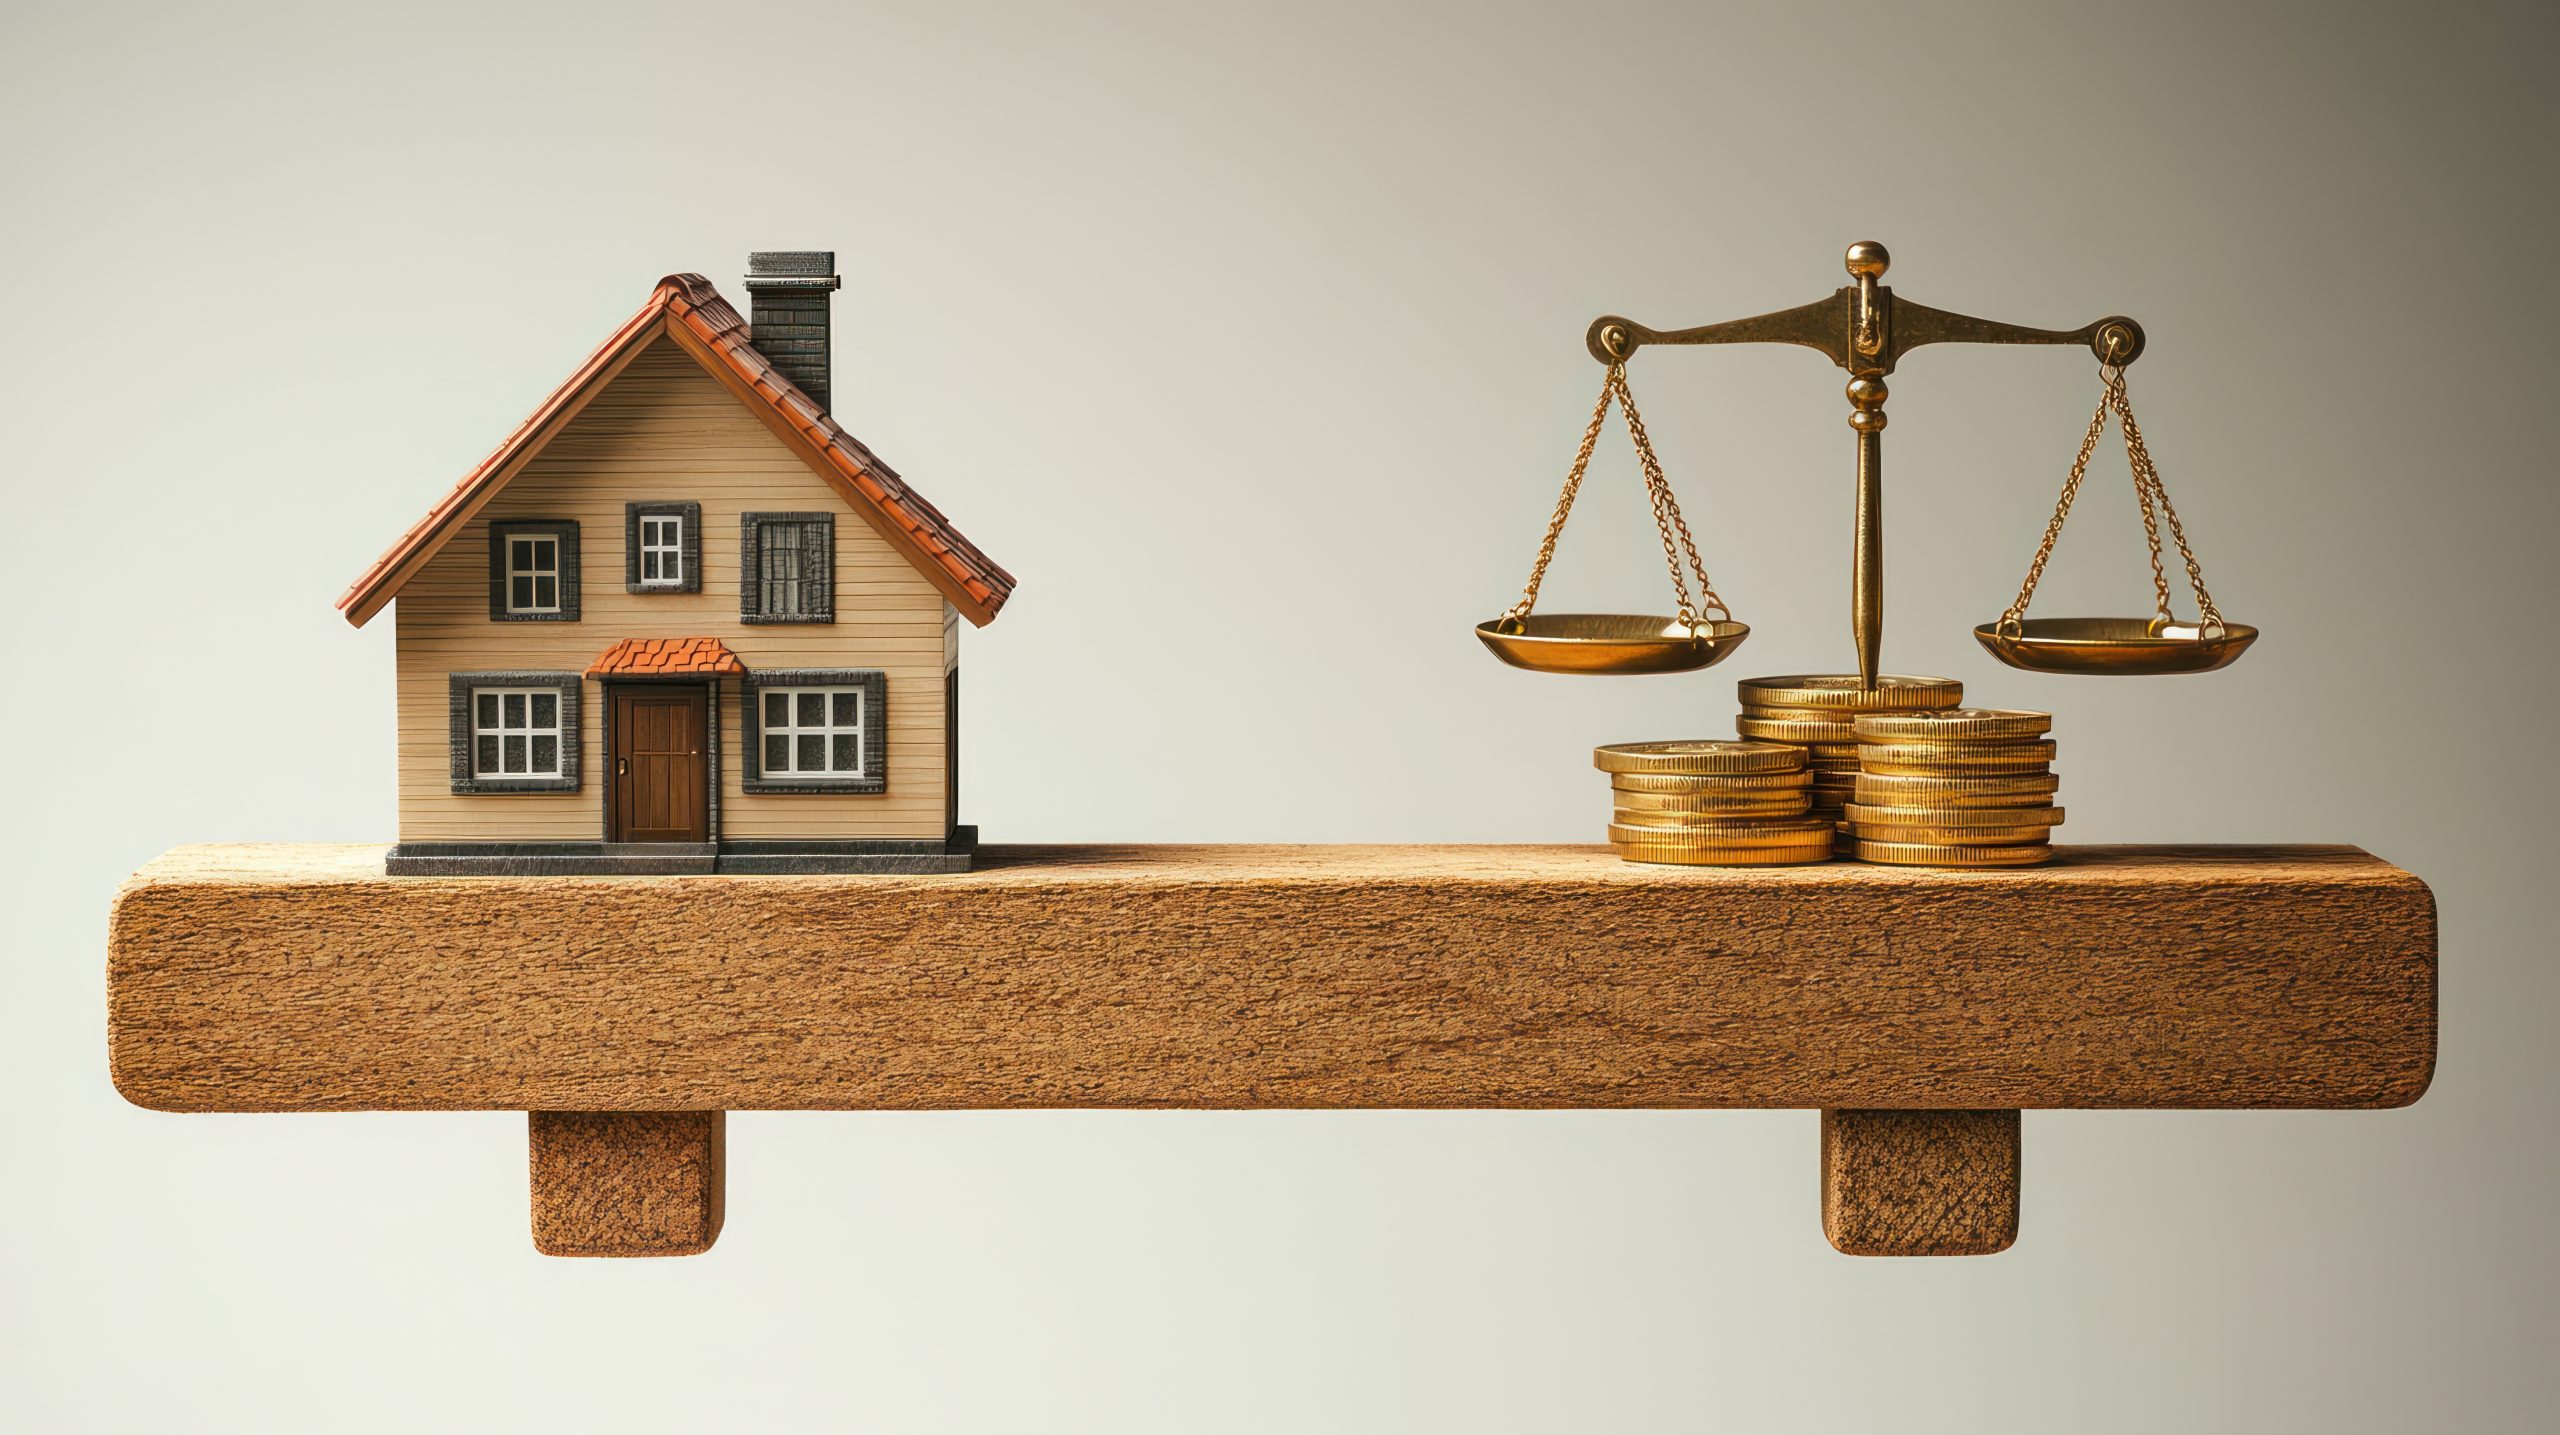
(1700, 635)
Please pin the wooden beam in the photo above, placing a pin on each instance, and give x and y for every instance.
(1920, 1183)
(301, 978)
(627, 1183)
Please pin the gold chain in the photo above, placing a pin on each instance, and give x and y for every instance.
(1666, 514)
(1666, 510)
(1564, 501)
(2147, 491)
(2146, 476)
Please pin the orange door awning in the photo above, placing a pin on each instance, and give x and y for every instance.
(667, 658)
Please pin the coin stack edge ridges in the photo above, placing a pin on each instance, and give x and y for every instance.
(1712, 803)
(1955, 787)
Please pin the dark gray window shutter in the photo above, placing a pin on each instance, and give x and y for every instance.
(568, 570)
(818, 567)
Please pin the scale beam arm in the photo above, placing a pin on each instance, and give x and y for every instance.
(1823, 325)
(1895, 327)
(2115, 339)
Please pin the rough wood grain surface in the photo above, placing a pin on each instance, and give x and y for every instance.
(292, 978)
(627, 1183)
(1920, 1183)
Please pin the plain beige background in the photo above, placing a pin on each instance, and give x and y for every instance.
(1250, 337)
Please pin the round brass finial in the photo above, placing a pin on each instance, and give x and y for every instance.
(2118, 341)
(1867, 260)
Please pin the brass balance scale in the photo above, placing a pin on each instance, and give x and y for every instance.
(1866, 330)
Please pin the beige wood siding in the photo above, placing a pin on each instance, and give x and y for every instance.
(665, 430)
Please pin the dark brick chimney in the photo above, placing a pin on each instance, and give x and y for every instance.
(787, 293)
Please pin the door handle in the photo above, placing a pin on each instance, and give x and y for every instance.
(622, 767)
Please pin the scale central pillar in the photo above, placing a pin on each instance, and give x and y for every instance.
(1866, 572)
(1867, 355)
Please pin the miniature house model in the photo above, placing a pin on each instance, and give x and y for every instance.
(681, 621)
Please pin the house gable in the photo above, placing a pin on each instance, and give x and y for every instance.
(689, 315)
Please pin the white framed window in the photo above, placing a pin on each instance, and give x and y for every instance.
(662, 546)
(533, 573)
(662, 549)
(813, 732)
(516, 733)
(533, 570)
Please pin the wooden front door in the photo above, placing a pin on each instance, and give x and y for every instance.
(661, 764)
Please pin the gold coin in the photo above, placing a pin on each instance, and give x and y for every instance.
(1795, 730)
(1729, 832)
(1956, 724)
(1950, 836)
(1727, 857)
(1711, 782)
(1677, 824)
(1802, 714)
(1697, 756)
(2023, 789)
(1915, 815)
(1933, 854)
(1711, 804)
(2025, 768)
(1848, 752)
(1843, 692)
(1957, 757)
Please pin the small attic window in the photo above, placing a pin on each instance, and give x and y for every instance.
(533, 571)
(662, 547)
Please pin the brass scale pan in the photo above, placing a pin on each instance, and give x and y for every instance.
(2123, 646)
(1598, 643)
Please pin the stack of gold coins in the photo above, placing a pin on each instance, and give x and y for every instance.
(1712, 803)
(1816, 711)
(1959, 787)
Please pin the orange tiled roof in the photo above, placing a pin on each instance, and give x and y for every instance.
(666, 658)
(687, 309)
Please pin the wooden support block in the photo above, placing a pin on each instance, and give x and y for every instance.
(627, 1183)
(1920, 1183)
